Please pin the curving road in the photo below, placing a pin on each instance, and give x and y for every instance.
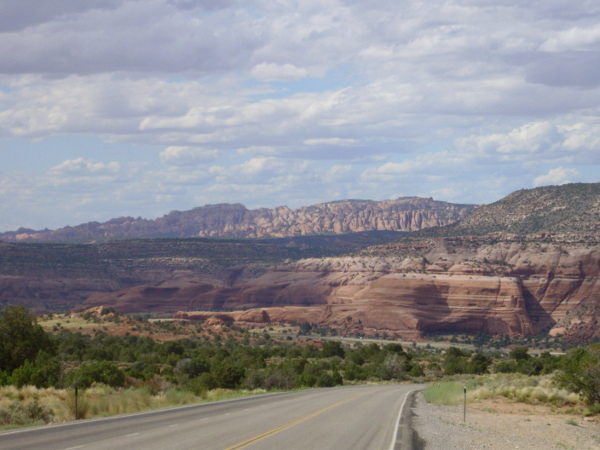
(349, 417)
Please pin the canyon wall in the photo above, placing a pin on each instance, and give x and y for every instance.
(454, 286)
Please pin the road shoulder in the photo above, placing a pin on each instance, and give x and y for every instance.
(490, 425)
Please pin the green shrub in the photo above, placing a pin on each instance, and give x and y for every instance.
(42, 373)
(96, 372)
(197, 387)
(416, 371)
(580, 372)
(21, 338)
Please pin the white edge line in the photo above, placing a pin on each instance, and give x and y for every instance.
(395, 435)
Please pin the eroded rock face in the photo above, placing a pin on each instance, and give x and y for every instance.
(235, 220)
(506, 287)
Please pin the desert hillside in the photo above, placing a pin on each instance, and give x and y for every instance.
(572, 209)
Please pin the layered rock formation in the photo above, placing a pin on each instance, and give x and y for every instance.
(235, 220)
(453, 285)
(527, 264)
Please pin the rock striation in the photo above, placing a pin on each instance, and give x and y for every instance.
(405, 289)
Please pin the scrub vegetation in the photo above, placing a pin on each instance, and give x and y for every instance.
(116, 374)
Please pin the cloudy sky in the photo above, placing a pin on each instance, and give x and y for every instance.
(139, 107)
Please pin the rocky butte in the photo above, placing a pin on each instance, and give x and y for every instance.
(527, 264)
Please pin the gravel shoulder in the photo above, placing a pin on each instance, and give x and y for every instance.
(502, 425)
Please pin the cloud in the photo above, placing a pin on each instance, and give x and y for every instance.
(278, 72)
(564, 69)
(535, 137)
(258, 150)
(329, 141)
(263, 170)
(18, 14)
(85, 168)
(558, 175)
(151, 36)
(340, 173)
(536, 142)
(177, 176)
(294, 103)
(185, 156)
(572, 39)
(583, 139)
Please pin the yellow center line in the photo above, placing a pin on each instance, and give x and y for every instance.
(265, 435)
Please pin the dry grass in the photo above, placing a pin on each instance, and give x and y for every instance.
(99, 400)
(514, 387)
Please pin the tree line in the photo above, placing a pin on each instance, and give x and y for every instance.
(31, 356)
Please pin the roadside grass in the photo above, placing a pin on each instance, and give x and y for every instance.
(33, 406)
(515, 387)
(444, 393)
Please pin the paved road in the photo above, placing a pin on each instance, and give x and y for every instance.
(349, 417)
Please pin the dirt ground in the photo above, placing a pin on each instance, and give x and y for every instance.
(498, 424)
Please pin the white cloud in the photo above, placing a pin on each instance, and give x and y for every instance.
(291, 102)
(85, 168)
(258, 150)
(330, 141)
(583, 139)
(417, 167)
(340, 173)
(536, 142)
(572, 39)
(278, 72)
(264, 169)
(185, 156)
(558, 175)
(536, 137)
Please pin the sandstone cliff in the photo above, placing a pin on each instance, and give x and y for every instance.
(453, 285)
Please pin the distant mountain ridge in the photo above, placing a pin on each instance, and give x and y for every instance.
(236, 221)
(567, 209)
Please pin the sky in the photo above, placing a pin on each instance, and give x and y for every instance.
(112, 108)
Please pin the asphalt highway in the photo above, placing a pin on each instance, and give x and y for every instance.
(349, 417)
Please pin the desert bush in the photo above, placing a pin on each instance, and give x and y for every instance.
(4, 417)
(176, 396)
(26, 413)
(95, 372)
(580, 372)
(197, 387)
